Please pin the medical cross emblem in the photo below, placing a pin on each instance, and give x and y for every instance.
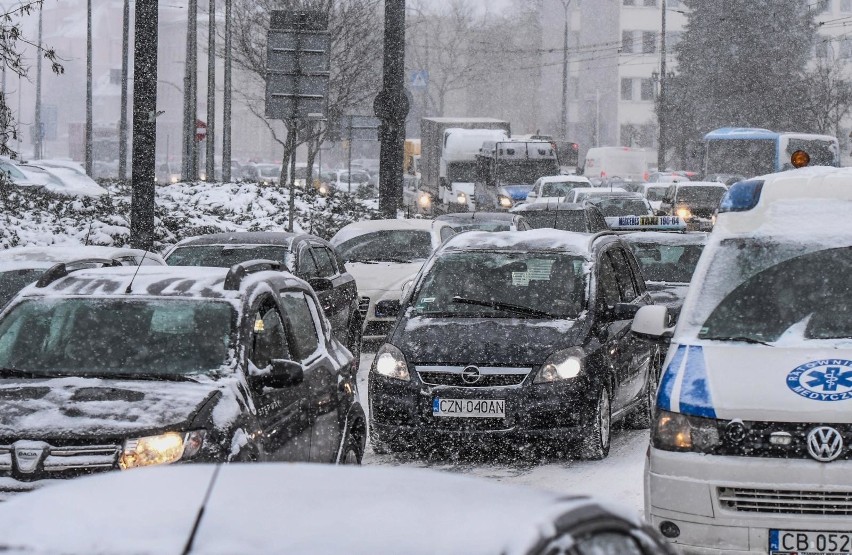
(830, 379)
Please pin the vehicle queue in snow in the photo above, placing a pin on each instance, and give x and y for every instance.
(720, 319)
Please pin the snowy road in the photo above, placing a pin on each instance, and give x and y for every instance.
(617, 478)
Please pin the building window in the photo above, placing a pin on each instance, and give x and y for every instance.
(627, 42)
(115, 76)
(673, 4)
(647, 89)
(629, 135)
(651, 3)
(846, 48)
(821, 6)
(649, 42)
(821, 48)
(629, 2)
(648, 136)
(846, 6)
(627, 89)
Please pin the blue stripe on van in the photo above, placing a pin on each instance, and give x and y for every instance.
(664, 395)
(695, 396)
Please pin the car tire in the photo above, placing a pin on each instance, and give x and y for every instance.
(642, 418)
(351, 454)
(597, 433)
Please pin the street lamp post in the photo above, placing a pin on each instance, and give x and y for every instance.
(661, 114)
(564, 122)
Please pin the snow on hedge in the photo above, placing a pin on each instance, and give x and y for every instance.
(183, 210)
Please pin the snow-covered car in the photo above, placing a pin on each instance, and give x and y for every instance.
(21, 266)
(580, 195)
(268, 174)
(384, 255)
(557, 186)
(750, 448)
(484, 221)
(118, 368)
(654, 192)
(620, 205)
(307, 256)
(74, 180)
(667, 260)
(340, 180)
(15, 176)
(667, 177)
(566, 216)
(517, 337)
(694, 201)
(301, 509)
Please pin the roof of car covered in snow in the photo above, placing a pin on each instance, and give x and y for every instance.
(461, 217)
(281, 238)
(550, 240)
(47, 256)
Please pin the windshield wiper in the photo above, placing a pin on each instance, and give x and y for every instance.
(739, 338)
(153, 376)
(504, 307)
(18, 373)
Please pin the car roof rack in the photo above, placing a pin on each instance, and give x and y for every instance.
(238, 272)
(62, 269)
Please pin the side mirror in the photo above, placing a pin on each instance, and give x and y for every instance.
(284, 373)
(652, 322)
(388, 309)
(624, 311)
(320, 284)
(661, 212)
(531, 197)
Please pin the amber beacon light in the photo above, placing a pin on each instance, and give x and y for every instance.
(800, 159)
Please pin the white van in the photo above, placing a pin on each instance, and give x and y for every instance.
(750, 445)
(616, 161)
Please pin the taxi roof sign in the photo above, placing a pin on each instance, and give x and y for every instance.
(646, 223)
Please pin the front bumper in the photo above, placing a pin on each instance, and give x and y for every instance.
(403, 410)
(695, 492)
(376, 329)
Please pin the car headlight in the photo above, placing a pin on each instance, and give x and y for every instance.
(323, 190)
(561, 365)
(462, 198)
(424, 200)
(505, 201)
(673, 431)
(390, 363)
(684, 213)
(161, 449)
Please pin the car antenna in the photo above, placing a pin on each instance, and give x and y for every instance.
(130, 285)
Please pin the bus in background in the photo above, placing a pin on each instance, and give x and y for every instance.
(752, 152)
(623, 162)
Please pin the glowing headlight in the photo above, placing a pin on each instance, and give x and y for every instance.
(673, 431)
(561, 365)
(424, 200)
(462, 199)
(683, 213)
(323, 190)
(202, 176)
(390, 363)
(162, 449)
(505, 202)
(174, 179)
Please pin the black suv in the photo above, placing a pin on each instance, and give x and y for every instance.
(306, 256)
(113, 368)
(517, 335)
(565, 216)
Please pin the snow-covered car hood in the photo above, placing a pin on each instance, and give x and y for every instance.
(809, 383)
(382, 276)
(304, 508)
(73, 406)
(503, 341)
(671, 295)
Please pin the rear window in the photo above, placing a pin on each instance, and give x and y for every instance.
(565, 220)
(224, 256)
(701, 195)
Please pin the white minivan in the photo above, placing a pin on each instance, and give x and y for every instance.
(607, 162)
(750, 445)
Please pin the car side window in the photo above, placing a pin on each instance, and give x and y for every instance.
(624, 275)
(325, 264)
(607, 282)
(446, 233)
(669, 196)
(307, 265)
(269, 341)
(304, 340)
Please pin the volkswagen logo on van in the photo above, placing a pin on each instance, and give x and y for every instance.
(822, 380)
(825, 443)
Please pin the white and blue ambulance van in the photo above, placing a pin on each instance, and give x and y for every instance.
(751, 445)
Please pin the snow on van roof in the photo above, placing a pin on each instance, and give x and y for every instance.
(356, 229)
(565, 179)
(538, 239)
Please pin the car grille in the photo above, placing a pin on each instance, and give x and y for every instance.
(489, 377)
(382, 327)
(835, 503)
(754, 440)
(69, 458)
(364, 305)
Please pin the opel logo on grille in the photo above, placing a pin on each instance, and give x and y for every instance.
(825, 443)
(470, 375)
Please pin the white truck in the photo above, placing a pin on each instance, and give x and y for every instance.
(449, 147)
(607, 162)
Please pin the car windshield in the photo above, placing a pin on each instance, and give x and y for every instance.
(784, 300)
(502, 284)
(560, 188)
(698, 195)
(518, 172)
(667, 263)
(12, 281)
(565, 220)
(224, 256)
(116, 337)
(655, 194)
(459, 227)
(390, 245)
(622, 206)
